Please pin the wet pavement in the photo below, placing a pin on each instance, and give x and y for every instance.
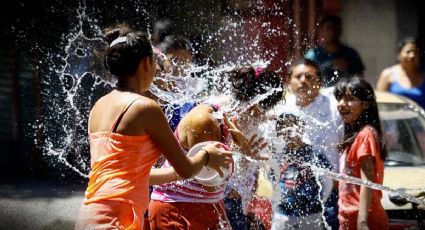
(39, 205)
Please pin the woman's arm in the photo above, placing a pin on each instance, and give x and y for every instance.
(367, 171)
(154, 123)
(162, 176)
(384, 80)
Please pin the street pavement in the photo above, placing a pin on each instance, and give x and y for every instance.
(39, 205)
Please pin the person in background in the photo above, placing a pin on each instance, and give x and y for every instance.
(363, 156)
(161, 29)
(323, 123)
(300, 205)
(178, 50)
(406, 77)
(127, 134)
(255, 91)
(335, 59)
(173, 56)
(178, 53)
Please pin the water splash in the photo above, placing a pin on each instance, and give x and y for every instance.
(70, 92)
(367, 183)
(82, 79)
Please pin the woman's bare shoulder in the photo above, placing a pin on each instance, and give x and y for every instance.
(147, 108)
(112, 100)
(145, 103)
(385, 79)
(387, 72)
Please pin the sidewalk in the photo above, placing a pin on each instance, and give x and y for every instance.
(39, 205)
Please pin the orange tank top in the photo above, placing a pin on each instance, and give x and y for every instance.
(120, 175)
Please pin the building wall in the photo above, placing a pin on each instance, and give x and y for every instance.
(371, 28)
(375, 27)
(407, 18)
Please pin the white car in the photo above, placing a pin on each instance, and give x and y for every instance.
(403, 124)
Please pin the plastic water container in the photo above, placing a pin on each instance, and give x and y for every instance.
(207, 176)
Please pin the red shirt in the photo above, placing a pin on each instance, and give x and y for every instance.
(365, 144)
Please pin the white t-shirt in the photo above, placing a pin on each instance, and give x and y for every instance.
(324, 128)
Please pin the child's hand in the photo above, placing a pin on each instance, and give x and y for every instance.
(254, 146)
(249, 147)
(237, 136)
(362, 225)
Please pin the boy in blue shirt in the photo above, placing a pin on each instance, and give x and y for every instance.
(301, 199)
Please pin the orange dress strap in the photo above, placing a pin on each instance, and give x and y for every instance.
(119, 117)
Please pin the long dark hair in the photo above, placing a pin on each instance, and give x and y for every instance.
(249, 82)
(363, 91)
(175, 42)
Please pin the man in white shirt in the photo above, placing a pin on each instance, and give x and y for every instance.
(323, 124)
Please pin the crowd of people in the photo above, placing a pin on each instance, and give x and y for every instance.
(142, 178)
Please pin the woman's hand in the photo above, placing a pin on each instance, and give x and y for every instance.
(362, 225)
(249, 147)
(217, 158)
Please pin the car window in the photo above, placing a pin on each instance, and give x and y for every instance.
(404, 133)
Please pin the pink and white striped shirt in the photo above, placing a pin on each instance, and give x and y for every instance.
(188, 190)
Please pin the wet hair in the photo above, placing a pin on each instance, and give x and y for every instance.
(294, 119)
(363, 91)
(332, 19)
(307, 62)
(123, 58)
(162, 28)
(174, 42)
(160, 59)
(248, 82)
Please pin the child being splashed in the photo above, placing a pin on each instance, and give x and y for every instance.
(300, 205)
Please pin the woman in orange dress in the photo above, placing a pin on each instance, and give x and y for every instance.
(127, 133)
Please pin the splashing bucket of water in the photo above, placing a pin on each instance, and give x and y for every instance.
(207, 176)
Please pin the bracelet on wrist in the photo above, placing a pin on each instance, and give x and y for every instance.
(208, 156)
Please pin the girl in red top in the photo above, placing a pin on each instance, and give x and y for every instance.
(363, 156)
